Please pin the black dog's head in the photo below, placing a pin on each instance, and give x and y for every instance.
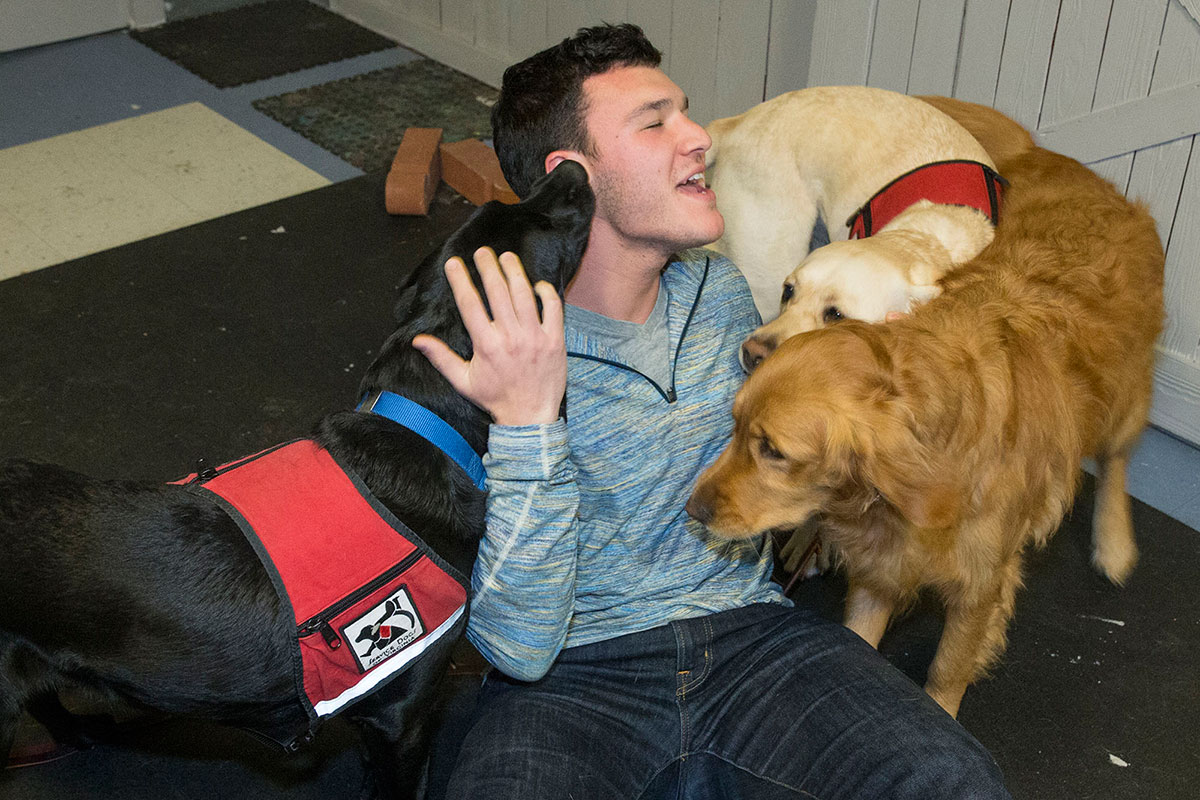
(549, 231)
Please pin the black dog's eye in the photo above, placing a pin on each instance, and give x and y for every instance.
(768, 450)
(831, 314)
(788, 291)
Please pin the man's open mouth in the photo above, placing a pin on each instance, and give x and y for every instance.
(695, 185)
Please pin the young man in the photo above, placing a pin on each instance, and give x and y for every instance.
(636, 655)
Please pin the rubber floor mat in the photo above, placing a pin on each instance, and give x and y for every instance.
(246, 44)
(362, 119)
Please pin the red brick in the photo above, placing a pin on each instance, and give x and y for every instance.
(415, 172)
(472, 169)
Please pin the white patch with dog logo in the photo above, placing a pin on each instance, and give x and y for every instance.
(385, 630)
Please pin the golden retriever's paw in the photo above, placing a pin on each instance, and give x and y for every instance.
(1115, 559)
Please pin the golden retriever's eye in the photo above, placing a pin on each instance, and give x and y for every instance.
(768, 450)
(788, 291)
(831, 314)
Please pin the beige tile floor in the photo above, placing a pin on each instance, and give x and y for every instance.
(79, 193)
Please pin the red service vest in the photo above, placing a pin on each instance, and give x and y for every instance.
(367, 596)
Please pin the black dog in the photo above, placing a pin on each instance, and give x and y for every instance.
(151, 594)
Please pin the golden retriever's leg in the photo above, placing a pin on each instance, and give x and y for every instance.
(974, 636)
(868, 612)
(1114, 551)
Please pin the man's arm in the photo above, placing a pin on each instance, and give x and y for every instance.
(524, 576)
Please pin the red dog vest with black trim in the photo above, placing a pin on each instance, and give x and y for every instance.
(956, 183)
(368, 597)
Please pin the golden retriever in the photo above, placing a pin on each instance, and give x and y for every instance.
(938, 447)
(826, 151)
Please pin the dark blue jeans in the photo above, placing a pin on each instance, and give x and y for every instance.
(760, 702)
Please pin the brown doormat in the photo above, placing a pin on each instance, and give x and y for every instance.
(362, 119)
(259, 41)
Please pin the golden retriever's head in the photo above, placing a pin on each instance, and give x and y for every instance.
(822, 426)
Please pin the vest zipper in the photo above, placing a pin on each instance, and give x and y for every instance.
(321, 622)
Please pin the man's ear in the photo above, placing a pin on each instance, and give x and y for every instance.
(558, 156)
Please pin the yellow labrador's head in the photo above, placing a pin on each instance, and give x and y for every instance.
(822, 426)
(861, 279)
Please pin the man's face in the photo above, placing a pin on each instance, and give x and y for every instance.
(645, 151)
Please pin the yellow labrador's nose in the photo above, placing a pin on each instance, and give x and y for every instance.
(754, 350)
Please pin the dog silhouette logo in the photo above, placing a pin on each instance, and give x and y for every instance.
(385, 629)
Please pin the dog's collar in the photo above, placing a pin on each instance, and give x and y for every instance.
(429, 426)
(957, 183)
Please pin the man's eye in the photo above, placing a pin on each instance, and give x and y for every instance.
(768, 450)
(788, 291)
(654, 125)
(831, 314)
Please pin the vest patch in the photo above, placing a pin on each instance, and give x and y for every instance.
(384, 630)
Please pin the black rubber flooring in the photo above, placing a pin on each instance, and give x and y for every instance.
(264, 40)
(362, 119)
(234, 334)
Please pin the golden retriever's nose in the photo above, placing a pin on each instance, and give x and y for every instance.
(754, 350)
(699, 507)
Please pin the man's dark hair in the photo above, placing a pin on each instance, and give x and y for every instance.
(541, 105)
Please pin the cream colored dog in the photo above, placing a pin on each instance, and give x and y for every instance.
(824, 152)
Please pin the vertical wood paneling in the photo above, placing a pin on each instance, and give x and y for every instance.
(693, 67)
(743, 31)
(984, 27)
(892, 44)
(427, 11)
(527, 33)
(458, 19)
(1182, 287)
(790, 48)
(655, 21)
(1126, 67)
(1026, 58)
(1158, 171)
(491, 26)
(1075, 61)
(841, 42)
(939, 27)
(565, 17)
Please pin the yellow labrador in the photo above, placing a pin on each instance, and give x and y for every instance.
(826, 152)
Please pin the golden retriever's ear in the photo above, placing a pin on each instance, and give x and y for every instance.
(935, 504)
(904, 476)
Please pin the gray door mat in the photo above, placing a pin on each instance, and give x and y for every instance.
(264, 40)
(362, 119)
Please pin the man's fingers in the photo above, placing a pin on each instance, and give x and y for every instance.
(552, 310)
(518, 288)
(444, 360)
(496, 287)
(466, 297)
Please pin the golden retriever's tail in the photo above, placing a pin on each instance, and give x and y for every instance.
(1003, 138)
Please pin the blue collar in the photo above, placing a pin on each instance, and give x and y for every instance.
(429, 426)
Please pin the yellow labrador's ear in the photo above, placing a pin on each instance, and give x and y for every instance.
(922, 294)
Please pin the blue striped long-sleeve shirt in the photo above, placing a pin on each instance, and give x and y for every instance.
(587, 537)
